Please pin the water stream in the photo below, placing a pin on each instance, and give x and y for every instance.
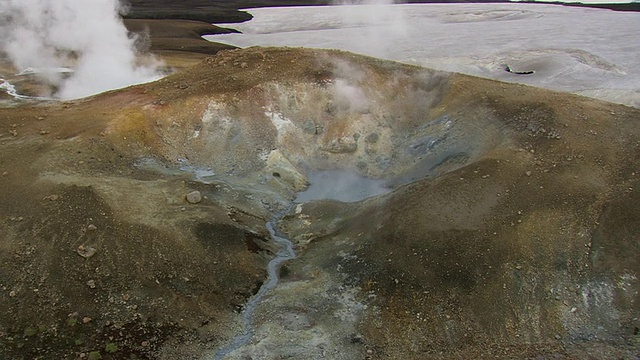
(7, 87)
(10, 89)
(285, 253)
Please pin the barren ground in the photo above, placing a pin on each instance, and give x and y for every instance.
(512, 230)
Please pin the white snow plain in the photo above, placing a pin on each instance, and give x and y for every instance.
(591, 52)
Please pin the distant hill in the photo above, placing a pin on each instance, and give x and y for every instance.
(225, 11)
(228, 11)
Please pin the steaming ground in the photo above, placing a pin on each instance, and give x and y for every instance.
(496, 220)
(510, 230)
(89, 37)
(591, 52)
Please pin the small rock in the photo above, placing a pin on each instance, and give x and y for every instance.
(126, 297)
(528, 173)
(86, 251)
(145, 343)
(91, 284)
(194, 197)
(53, 197)
(92, 227)
(12, 293)
(558, 337)
(357, 339)
(86, 320)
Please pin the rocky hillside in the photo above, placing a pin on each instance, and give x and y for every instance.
(132, 222)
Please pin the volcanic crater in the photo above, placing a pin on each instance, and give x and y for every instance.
(503, 222)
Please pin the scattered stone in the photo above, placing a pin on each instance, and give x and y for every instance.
(343, 145)
(528, 173)
(91, 284)
(126, 297)
(12, 293)
(86, 320)
(372, 138)
(92, 227)
(145, 343)
(357, 339)
(194, 197)
(558, 337)
(86, 251)
(53, 197)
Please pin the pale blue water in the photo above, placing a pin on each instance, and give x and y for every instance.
(285, 253)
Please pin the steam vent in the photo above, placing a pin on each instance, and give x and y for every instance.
(432, 215)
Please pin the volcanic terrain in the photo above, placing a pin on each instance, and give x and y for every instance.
(510, 228)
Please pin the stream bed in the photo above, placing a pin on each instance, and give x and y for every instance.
(285, 253)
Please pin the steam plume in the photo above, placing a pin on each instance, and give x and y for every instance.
(382, 21)
(44, 37)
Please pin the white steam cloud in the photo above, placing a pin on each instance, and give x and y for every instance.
(47, 37)
(383, 23)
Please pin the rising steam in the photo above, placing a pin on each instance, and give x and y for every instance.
(383, 22)
(46, 38)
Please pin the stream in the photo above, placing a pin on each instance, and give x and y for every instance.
(285, 253)
(10, 89)
(338, 185)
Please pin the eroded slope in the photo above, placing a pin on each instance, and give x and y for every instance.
(510, 229)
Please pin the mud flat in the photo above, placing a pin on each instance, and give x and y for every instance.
(510, 229)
